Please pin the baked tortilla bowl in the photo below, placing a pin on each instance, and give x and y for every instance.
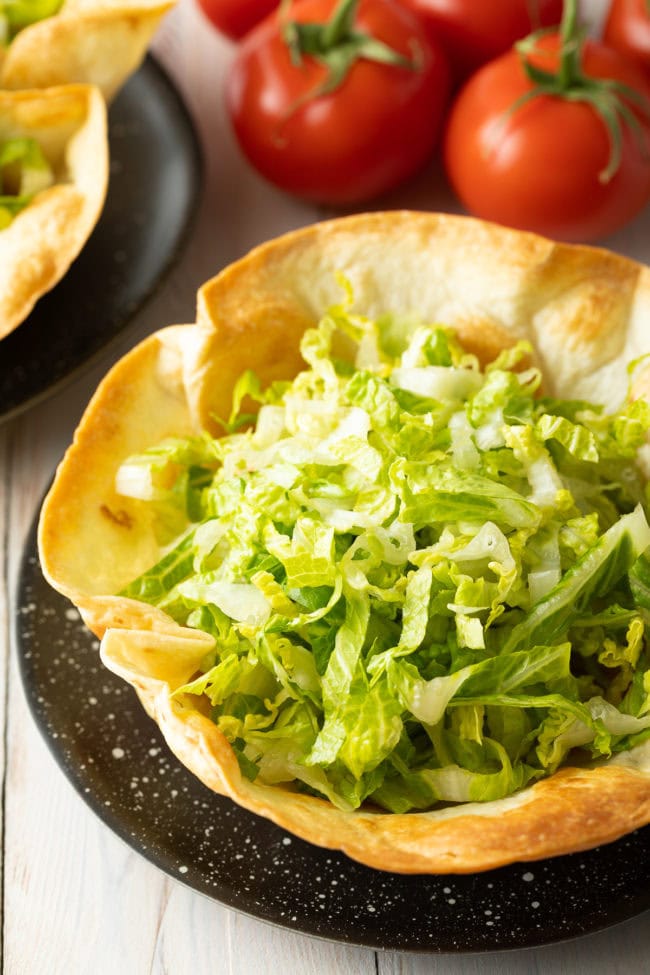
(586, 313)
(43, 239)
(98, 42)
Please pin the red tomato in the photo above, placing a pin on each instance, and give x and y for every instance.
(234, 18)
(539, 167)
(628, 30)
(359, 140)
(473, 32)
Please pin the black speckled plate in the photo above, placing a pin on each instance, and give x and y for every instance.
(116, 758)
(155, 179)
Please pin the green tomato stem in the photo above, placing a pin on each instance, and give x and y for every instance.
(614, 102)
(337, 45)
(340, 25)
(571, 44)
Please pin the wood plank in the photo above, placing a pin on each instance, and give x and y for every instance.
(621, 950)
(222, 940)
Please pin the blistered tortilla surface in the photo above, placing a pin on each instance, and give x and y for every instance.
(587, 315)
(43, 239)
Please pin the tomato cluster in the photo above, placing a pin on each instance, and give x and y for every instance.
(338, 101)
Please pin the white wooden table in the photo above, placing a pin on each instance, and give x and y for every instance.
(76, 900)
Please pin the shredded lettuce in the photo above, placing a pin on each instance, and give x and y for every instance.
(24, 171)
(15, 15)
(426, 583)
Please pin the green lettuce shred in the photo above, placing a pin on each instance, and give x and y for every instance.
(15, 15)
(24, 171)
(426, 582)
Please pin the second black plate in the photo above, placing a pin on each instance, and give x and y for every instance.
(153, 191)
(117, 759)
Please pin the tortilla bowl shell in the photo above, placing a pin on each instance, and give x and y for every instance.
(42, 241)
(98, 42)
(586, 313)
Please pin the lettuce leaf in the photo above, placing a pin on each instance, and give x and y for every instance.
(426, 585)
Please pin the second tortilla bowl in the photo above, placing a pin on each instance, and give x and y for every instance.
(68, 125)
